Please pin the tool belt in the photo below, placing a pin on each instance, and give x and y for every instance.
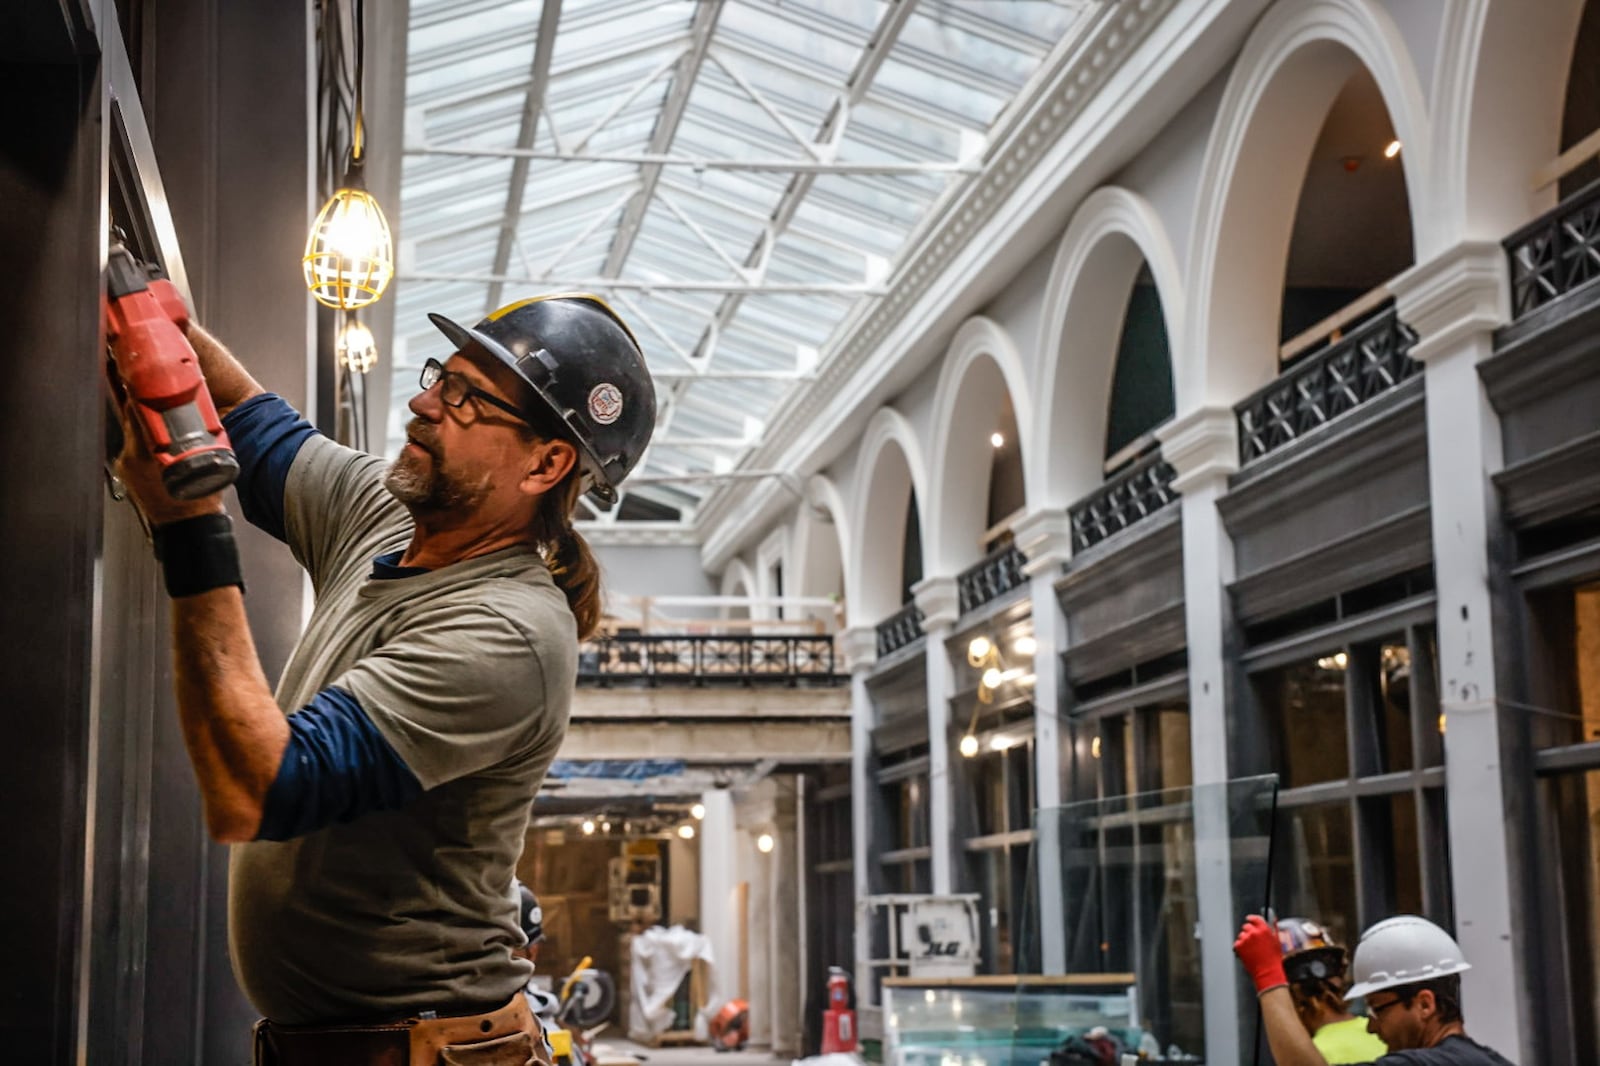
(508, 1036)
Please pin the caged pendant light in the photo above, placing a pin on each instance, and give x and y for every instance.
(349, 258)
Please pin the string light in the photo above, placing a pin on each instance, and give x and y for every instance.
(588, 827)
(1392, 150)
(997, 439)
(686, 831)
(698, 811)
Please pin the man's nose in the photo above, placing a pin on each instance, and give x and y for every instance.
(429, 404)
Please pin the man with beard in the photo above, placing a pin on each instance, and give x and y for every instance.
(378, 803)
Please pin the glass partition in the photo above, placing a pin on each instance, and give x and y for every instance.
(1108, 960)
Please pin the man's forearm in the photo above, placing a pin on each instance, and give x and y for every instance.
(1290, 1043)
(234, 730)
(229, 382)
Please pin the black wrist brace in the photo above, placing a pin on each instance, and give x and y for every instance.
(198, 554)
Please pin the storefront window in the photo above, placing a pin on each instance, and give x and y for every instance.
(1305, 704)
(1315, 874)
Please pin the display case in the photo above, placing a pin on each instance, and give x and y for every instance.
(1003, 1020)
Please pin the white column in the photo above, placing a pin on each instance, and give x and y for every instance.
(718, 875)
(939, 602)
(1203, 448)
(859, 646)
(1045, 538)
(1454, 302)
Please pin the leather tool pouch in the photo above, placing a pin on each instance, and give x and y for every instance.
(503, 1037)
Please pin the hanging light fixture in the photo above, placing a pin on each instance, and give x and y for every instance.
(358, 351)
(969, 746)
(349, 257)
(765, 843)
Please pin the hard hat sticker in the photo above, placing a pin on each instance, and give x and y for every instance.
(605, 403)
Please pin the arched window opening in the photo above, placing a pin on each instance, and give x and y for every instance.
(1352, 227)
(1141, 385)
(1006, 493)
(911, 550)
(1580, 114)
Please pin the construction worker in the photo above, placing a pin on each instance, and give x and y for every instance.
(1314, 965)
(378, 803)
(1409, 972)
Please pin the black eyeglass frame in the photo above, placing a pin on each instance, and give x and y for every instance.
(434, 373)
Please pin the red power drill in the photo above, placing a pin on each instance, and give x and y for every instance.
(145, 318)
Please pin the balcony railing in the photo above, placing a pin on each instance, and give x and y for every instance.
(1367, 362)
(1556, 253)
(899, 629)
(1127, 499)
(697, 659)
(991, 577)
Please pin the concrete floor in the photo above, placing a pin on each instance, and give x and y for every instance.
(620, 1049)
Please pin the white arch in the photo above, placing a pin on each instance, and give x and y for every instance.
(737, 580)
(1294, 64)
(821, 545)
(1499, 89)
(1110, 235)
(981, 360)
(889, 465)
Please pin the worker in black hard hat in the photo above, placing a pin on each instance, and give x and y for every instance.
(1314, 964)
(379, 800)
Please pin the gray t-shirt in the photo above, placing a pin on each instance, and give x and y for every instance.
(467, 671)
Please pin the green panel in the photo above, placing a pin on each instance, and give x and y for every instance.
(1141, 389)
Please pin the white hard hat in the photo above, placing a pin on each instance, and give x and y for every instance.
(1403, 951)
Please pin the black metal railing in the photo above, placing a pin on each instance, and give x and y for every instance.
(1556, 253)
(1367, 362)
(991, 577)
(631, 658)
(1127, 499)
(899, 629)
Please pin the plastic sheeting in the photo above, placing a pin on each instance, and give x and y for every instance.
(661, 958)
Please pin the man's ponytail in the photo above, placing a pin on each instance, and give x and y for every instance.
(571, 562)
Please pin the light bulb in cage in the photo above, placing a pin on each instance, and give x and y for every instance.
(358, 351)
(349, 258)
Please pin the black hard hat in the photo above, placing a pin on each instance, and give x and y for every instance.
(580, 358)
(532, 915)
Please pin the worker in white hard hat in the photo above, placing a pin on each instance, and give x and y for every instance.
(1409, 972)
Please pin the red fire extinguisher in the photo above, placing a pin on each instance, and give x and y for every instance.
(838, 1021)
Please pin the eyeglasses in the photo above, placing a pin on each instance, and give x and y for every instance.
(454, 389)
(1375, 1009)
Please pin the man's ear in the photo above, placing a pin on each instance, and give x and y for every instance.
(549, 461)
(1426, 1003)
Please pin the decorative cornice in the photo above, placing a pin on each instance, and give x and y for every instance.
(1462, 292)
(1035, 129)
(1045, 538)
(859, 647)
(1202, 445)
(939, 600)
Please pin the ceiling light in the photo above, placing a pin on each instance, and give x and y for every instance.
(999, 743)
(764, 843)
(992, 678)
(998, 439)
(1025, 646)
(1094, 747)
(1392, 151)
(686, 831)
(969, 746)
(979, 649)
(588, 827)
(605, 827)
(698, 811)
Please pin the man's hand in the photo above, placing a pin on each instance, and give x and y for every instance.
(1258, 948)
(140, 472)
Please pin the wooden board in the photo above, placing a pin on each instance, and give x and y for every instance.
(1026, 980)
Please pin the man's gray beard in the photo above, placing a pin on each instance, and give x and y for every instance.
(426, 488)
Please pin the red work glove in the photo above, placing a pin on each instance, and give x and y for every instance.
(1258, 948)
